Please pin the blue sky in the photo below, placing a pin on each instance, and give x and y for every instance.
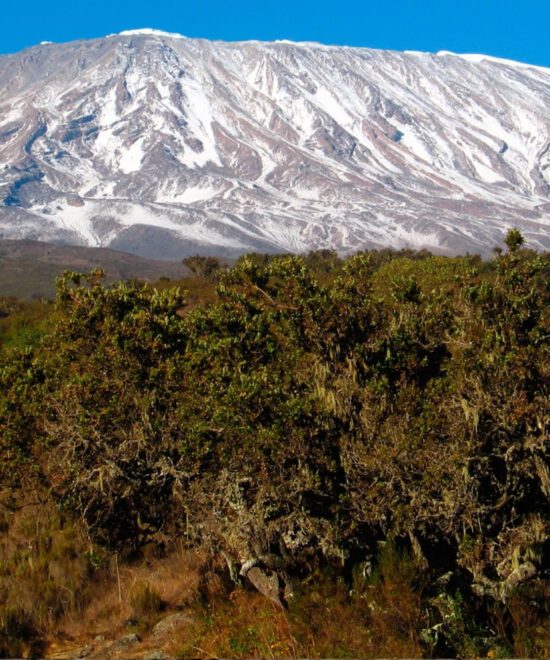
(504, 28)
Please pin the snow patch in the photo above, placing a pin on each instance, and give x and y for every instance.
(131, 158)
(416, 146)
(200, 118)
(478, 58)
(486, 173)
(10, 115)
(150, 32)
(334, 108)
(188, 196)
(76, 219)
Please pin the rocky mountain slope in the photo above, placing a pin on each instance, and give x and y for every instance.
(163, 146)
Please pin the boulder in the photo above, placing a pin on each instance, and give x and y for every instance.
(170, 623)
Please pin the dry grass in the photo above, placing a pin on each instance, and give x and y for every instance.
(529, 632)
(240, 625)
(54, 585)
(147, 589)
(323, 620)
(44, 572)
(66, 595)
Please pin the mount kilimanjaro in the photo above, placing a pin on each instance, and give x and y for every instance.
(163, 146)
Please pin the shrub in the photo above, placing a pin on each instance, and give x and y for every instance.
(298, 420)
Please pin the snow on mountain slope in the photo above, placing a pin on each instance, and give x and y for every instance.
(161, 145)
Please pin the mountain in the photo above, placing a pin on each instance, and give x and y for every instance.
(163, 146)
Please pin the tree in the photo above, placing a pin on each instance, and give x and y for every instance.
(204, 267)
(514, 239)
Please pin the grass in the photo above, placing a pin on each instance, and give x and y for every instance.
(68, 593)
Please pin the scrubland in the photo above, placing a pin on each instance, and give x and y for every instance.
(370, 434)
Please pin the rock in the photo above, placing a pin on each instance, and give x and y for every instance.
(268, 585)
(171, 623)
(126, 640)
(156, 654)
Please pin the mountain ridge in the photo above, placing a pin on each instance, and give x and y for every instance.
(164, 146)
(154, 32)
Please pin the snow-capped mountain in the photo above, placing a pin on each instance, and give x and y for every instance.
(163, 146)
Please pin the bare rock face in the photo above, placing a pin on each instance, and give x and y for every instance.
(165, 146)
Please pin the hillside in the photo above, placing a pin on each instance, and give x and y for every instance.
(165, 146)
(28, 269)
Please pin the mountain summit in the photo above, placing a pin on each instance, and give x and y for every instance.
(161, 145)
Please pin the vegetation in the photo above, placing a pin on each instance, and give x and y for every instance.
(369, 432)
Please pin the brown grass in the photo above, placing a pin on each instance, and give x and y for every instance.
(147, 589)
(69, 593)
(64, 593)
(323, 619)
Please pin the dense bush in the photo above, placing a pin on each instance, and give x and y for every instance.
(317, 408)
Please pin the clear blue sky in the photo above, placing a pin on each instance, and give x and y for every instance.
(515, 29)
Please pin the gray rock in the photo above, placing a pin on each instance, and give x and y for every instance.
(266, 583)
(156, 654)
(171, 623)
(126, 640)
